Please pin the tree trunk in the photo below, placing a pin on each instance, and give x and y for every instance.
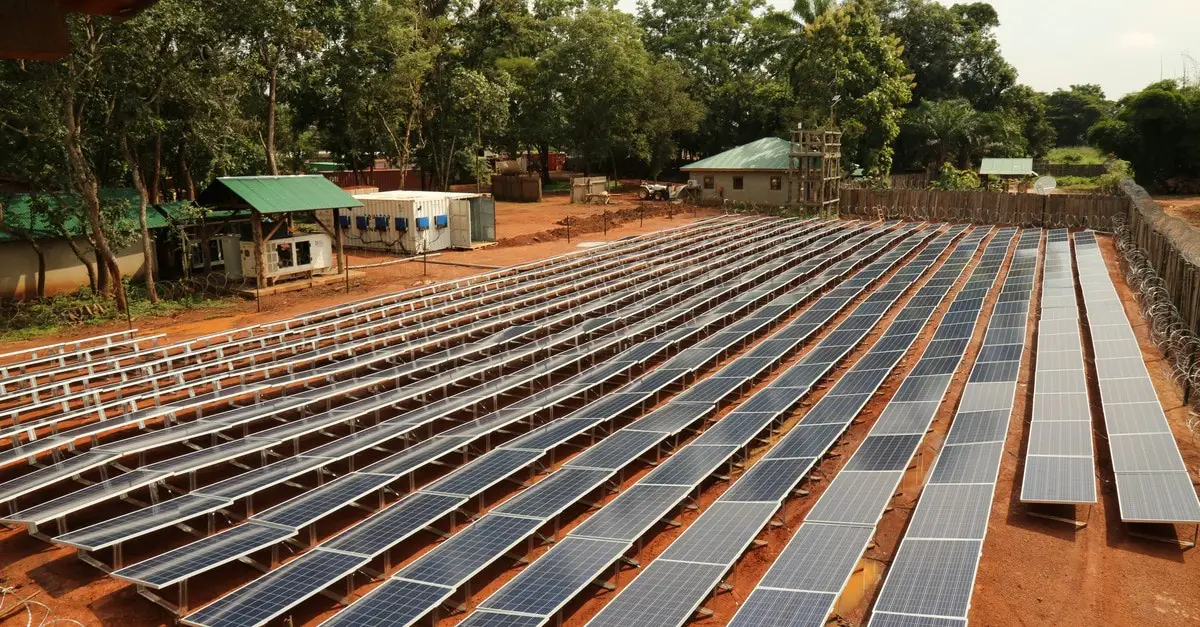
(544, 151)
(41, 275)
(189, 186)
(87, 264)
(85, 183)
(147, 245)
(156, 172)
(272, 85)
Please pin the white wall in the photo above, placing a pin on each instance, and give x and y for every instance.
(64, 272)
(756, 186)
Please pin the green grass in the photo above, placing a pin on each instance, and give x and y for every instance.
(27, 320)
(1076, 154)
(556, 187)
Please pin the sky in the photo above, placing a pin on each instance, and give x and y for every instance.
(1121, 45)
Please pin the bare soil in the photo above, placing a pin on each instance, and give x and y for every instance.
(1185, 208)
(1033, 571)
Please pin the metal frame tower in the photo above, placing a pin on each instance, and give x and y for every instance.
(815, 171)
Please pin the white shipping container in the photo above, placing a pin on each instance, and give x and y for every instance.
(415, 208)
(460, 224)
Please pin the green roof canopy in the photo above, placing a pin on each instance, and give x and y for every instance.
(276, 194)
(768, 153)
(20, 214)
(1007, 167)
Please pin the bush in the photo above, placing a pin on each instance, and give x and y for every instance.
(953, 178)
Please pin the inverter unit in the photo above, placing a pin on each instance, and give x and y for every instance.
(401, 224)
(303, 254)
(381, 223)
(360, 222)
(422, 223)
(441, 221)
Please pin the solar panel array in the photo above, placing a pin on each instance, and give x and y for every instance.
(933, 573)
(1059, 461)
(405, 461)
(466, 371)
(457, 560)
(540, 589)
(805, 581)
(1153, 484)
(364, 336)
(758, 494)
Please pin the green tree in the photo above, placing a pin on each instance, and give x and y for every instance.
(732, 54)
(1073, 111)
(845, 64)
(668, 112)
(1158, 131)
(599, 66)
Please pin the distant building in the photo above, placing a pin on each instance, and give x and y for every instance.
(754, 172)
(1004, 168)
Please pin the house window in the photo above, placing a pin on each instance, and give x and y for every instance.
(737, 182)
(776, 183)
(708, 182)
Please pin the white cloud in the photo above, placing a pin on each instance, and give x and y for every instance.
(1135, 40)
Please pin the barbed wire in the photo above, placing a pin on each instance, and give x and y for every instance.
(1169, 333)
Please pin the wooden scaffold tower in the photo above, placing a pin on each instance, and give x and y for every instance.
(815, 171)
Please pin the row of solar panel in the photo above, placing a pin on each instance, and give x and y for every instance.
(403, 424)
(933, 575)
(723, 532)
(287, 431)
(803, 584)
(82, 357)
(462, 554)
(511, 298)
(677, 335)
(1059, 459)
(628, 516)
(1153, 484)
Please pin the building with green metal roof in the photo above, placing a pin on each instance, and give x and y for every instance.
(755, 173)
(994, 166)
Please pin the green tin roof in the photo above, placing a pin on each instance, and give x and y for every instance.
(277, 194)
(1007, 167)
(20, 216)
(768, 153)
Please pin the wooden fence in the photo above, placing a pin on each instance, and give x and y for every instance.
(1054, 210)
(1172, 248)
(517, 187)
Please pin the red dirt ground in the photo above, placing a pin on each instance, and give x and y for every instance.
(1033, 571)
(1183, 207)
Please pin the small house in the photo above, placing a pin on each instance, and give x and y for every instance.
(753, 173)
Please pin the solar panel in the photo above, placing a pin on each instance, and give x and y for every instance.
(634, 511)
(665, 593)
(1140, 440)
(324, 500)
(555, 493)
(784, 608)
(395, 603)
(884, 452)
(888, 619)
(550, 581)
(395, 523)
(484, 618)
(856, 498)
(818, 558)
(269, 596)
(128, 526)
(192, 559)
(770, 480)
(484, 472)
(465, 553)
(932, 577)
(721, 534)
(689, 466)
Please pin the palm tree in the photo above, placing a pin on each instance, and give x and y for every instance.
(947, 129)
